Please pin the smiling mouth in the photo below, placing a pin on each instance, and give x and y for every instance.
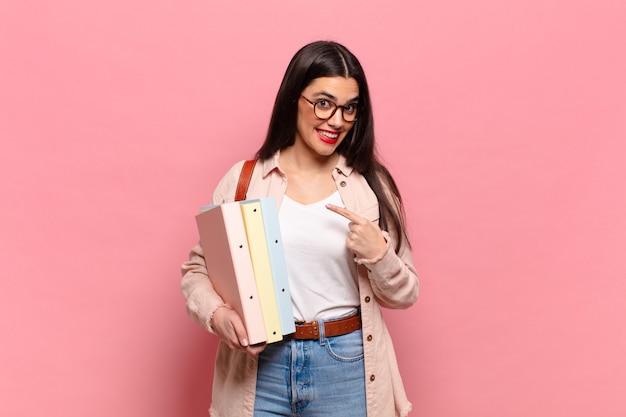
(328, 137)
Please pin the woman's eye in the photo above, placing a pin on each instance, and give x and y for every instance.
(349, 108)
(324, 104)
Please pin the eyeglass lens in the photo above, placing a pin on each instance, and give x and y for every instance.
(326, 109)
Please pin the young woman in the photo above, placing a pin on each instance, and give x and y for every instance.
(347, 255)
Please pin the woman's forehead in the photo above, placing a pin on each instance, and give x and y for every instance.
(339, 88)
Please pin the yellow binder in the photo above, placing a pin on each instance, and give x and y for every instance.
(257, 243)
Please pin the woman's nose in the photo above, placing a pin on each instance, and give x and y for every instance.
(336, 120)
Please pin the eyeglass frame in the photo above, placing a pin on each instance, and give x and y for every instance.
(337, 106)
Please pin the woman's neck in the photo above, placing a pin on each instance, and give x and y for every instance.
(294, 159)
(309, 179)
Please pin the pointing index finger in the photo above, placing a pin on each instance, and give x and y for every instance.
(353, 217)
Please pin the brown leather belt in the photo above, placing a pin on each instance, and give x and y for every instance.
(339, 327)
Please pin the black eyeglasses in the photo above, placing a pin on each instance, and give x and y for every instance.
(325, 109)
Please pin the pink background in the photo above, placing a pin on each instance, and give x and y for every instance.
(504, 123)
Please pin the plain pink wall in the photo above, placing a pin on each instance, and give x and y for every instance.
(504, 123)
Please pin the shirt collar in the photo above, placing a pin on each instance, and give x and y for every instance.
(343, 167)
(272, 163)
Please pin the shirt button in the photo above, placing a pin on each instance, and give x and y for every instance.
(342, 183)
(372, 378)
(369, 338)
(367, 299)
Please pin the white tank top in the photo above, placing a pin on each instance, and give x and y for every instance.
(321, 270)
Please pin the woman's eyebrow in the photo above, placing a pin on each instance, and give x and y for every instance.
(331, 97)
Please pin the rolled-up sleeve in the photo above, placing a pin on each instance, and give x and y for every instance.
(393, 277)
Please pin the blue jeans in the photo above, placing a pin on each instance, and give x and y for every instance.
(312, 378)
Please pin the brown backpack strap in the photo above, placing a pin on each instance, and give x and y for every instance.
(244, 179)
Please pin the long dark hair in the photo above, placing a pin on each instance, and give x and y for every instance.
(330, 59)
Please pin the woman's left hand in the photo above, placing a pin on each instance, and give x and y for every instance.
(365, 238)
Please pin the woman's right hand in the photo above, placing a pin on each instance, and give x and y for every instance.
(229, 327)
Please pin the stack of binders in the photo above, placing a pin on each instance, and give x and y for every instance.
(244, 256)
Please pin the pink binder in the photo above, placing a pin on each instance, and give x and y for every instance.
(225, 246)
